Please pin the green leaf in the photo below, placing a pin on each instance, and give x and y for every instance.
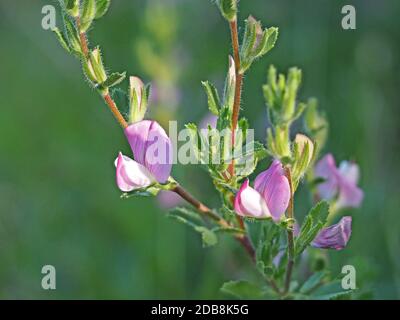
(88, 14)
(243, 289)
(331, 291)
(114, 79)
(187, 214)
(212, 95)
(270, 36)
(191, 218)
(121, 99)
(72, 36)
(209, 237)
(313, 223)
(62, 39)
(101, 8)
(313, 282)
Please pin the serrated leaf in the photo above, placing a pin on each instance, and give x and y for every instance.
(101, 8)
(243, 289)
(62, 39)
(214, 103)
(114, 79)
(313, 223)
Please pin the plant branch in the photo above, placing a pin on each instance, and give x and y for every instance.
(238, 87)
(106, 96)
(204, 210)
(290, 236)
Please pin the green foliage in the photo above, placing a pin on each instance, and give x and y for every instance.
(101, 8)
(114, 79)
(88, 13)
(256, 42)
(243, 289)
(313, 223)
(316, 124)
(212, 95)
(228, 9)
(268, 248)
(191, 218)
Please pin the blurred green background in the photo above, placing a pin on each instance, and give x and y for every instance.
(58, 201)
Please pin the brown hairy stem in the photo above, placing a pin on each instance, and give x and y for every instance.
(106, 96)
(290, 236)
(238, 88)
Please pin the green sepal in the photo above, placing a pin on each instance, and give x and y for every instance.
(88, 13)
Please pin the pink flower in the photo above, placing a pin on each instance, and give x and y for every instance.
(339, 182)
(168, 199)
(250, 203)
(335, 236)
(270, 196)
(151, 149)
(208, 119)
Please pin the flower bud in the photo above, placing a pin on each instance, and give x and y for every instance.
(96, 64)
(303, 155)
(230, 83)
(228, 9)
(334, 237)
(71, 7)
(138, 99)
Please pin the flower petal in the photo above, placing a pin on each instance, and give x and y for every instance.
(274, 187)
(151, 147)
(326, 169)
(335, 236)
(131, 175)
(349, 171)
(350, 196)
(248, 202)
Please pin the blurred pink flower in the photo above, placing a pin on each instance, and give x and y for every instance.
(339, 182)
(209, 119)
(168, 199)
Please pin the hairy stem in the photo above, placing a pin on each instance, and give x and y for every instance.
(290, 236)
(106, 96)
(82, 38)
(114, 109)
(238, 87)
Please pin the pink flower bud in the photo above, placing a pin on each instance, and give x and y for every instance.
(335, 236)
